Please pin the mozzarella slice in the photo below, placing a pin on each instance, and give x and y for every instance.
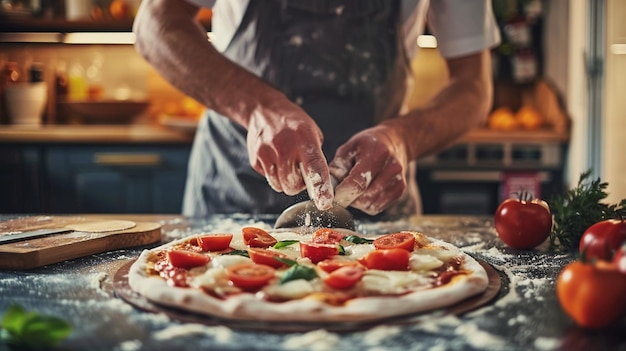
(391, 282)
(294, 289)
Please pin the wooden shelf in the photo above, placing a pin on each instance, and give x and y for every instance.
(29, 25)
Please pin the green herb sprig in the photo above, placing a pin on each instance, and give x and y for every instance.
(31, 330)
(579, 208)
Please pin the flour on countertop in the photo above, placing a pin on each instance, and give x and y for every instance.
(221, 334)
(543, 343)
(378, 334)
(316, 340)
(130, 345)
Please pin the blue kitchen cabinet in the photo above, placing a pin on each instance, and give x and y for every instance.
(116, 178)
(20, 179)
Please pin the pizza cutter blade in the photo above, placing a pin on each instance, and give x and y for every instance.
(306, 214)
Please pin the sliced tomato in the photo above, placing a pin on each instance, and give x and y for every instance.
(214, 242)
(257, 237)
(318, 252)
(250, 276)
(330, 265)
(327, 236)
(387, 259)
(266, 257)
(401, 240)
(187, 259)
(344, 277)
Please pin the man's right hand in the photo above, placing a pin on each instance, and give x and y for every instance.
(282, 141)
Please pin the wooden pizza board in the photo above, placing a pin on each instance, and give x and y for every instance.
(37, 252)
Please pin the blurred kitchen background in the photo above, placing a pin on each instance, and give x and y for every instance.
(87, 126)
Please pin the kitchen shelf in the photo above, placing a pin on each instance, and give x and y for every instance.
(60, 25)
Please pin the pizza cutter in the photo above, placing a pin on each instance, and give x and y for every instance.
(306, 214)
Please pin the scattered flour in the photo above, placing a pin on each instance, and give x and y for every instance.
(376, 335)
(478, 338)
(130, 345)
(543, 343)
(316, 340)
(221, 334)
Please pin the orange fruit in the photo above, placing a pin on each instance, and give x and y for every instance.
(204, 15)
(529, 118)
(119, 9)
(502, 118)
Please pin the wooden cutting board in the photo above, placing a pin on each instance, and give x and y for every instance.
(92, 236)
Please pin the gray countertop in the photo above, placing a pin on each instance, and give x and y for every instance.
(525, 315)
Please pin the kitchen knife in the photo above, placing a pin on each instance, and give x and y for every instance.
(20, 236)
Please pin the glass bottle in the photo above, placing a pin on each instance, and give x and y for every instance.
(77, 88)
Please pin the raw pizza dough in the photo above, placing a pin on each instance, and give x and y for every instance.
(420, 296)
(102, 226)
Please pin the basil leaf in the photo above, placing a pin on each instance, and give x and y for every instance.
(358, 240)
(298, 271)
(287, 261)
(243, 253)
(285, 243)
(342, 250)
(31, 330)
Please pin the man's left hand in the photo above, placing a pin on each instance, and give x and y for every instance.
(371, 169)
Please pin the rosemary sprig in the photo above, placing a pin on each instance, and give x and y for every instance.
(579, 208)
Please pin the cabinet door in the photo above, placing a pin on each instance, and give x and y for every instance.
(20, 179)
(117, 179)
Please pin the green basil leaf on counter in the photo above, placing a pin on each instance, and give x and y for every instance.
(357, 239)
(285, 243)
(31, 330)
(298, 271)
(243, 253)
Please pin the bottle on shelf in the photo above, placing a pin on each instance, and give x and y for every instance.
(95, 89)
(77, 87)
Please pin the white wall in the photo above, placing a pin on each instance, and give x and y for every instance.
(614, 119)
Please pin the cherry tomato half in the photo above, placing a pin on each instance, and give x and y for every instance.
(250, 276)
(344, 277)
(318, 252)
(592, 294)
(387, 259)
(402, 240)
(330, 265)
(523, 224)
(257, 237)
(214, 242)
(266, 257)
(187, 259)
(327, 236)
(603, 239)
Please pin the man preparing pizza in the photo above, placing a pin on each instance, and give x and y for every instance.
(291, 85)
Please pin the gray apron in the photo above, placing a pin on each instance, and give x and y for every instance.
(343, 62)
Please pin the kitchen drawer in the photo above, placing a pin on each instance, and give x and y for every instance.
(116, 179)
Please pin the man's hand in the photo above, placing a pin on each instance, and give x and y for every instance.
(371, 168)
(285, 146)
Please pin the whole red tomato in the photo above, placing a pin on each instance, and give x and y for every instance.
(619, 259)
(602, 240)
(592, 294)
(523, 224)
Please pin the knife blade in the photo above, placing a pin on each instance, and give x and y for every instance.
(20, 236)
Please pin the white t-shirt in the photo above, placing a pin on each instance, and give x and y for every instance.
(462, 27)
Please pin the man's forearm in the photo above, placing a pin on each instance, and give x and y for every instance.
(177, 46)
(461, 105)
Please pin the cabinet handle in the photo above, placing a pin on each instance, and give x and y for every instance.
(117, 159)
